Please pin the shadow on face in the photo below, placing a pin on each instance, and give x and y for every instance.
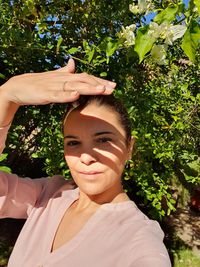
(95, 140)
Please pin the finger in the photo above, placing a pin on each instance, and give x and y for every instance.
(63, 96)
(77, 77)
(107, 83)
(69, 68)
(61, 78)
(89, 79)
(87, 89)
(84, 77)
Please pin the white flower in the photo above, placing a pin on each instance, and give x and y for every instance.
(154, 30)
(127, 33)
(167, 32)
(158, 53)
(144, 6)
(175, 32)
(134, 9)
(159, 31)
(164, 30)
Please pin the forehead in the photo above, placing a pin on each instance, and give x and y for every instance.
(93, 118)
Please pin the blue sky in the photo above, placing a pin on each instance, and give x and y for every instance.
(150, 16)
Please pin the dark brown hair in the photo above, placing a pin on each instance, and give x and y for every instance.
(109, 101)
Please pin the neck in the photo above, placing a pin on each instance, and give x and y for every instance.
(91, 203)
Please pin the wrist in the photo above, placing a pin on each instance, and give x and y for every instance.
(7, 107)
(4, 91)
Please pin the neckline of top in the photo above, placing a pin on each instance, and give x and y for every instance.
(118, 206)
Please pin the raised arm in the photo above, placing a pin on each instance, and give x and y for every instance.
(18, 195)
(57, 86)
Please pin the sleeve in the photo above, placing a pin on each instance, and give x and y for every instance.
(19, 195)
(148, 249)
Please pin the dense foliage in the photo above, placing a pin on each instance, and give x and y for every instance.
(150, 48)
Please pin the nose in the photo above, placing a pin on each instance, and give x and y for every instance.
(88, 158)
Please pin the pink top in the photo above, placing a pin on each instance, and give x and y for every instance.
(117, 235)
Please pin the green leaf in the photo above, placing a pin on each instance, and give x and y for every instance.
(103, 74)
(111, 48)
(190, 40)
(5, 169)
(89, 50)
(91, 55)
(35, 155)
(167, 14)
(60, 39)
(85, 45)
(3, 157)
(143, 42)
(197, 3)
(73, 50)
(2, 76)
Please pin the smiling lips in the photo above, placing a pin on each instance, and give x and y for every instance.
(90, 175)
(90, 172)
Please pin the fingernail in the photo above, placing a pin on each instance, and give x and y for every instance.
(73, 93)
(111, 84)
(100, 87)
(110, 88)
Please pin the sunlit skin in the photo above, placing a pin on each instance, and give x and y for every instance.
(96, 152)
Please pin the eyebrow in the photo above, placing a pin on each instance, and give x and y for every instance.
(96, 134)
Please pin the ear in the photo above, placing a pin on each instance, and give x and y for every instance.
(130, 148)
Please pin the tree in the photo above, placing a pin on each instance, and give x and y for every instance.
(151, 49)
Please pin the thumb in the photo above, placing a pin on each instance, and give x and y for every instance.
(70, 68)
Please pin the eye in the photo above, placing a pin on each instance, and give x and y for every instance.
(104, 140)
(72, 143)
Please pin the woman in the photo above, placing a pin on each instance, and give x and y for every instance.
(95, 224)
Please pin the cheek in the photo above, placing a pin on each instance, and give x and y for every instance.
(117, 155)
(112, 158)
(71, 160)
(117, 159)
(113, 162)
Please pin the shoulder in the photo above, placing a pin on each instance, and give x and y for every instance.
(57, 183)
(136, 220)
(146, 241)
(54, 187)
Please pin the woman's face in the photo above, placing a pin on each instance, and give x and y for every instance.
(95, 149)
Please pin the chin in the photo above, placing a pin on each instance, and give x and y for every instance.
(92, 189)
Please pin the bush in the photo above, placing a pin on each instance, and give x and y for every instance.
(156, 67)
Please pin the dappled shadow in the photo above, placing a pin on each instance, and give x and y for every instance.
(187, 225)
(182, 231)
